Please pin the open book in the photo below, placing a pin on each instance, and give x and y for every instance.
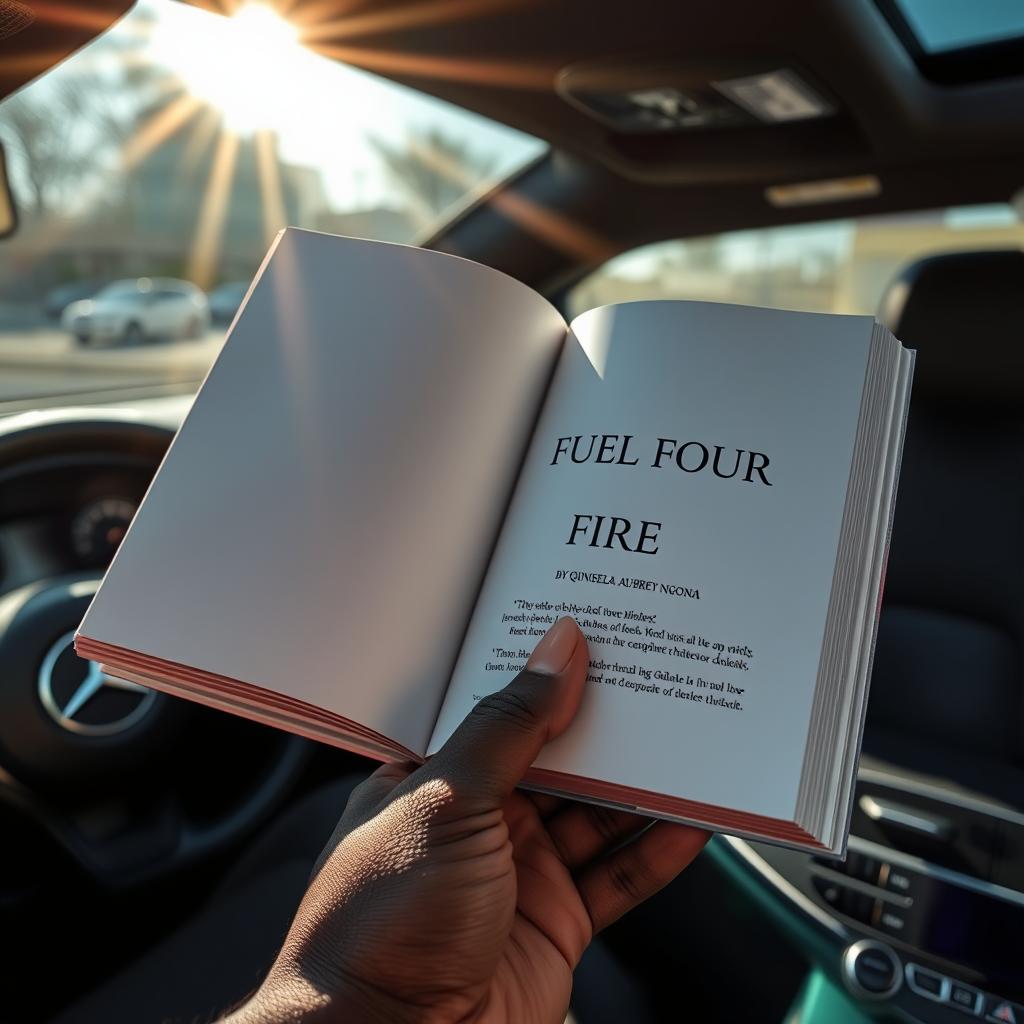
(404, 466)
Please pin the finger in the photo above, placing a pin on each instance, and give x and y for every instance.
(501, 737)
(632, 874)
(582, 832)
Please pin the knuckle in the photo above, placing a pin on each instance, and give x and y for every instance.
(626, 881)
(508, 708)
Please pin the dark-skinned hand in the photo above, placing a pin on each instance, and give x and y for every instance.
(447, 895)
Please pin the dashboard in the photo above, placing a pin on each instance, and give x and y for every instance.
(71, 482)
(73, 518)
(922, 919)
(90, 760)
(920, 922)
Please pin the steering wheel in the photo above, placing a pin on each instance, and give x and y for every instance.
(133, 784)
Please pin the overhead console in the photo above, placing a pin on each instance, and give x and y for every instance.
(659, 114)
(685, 94)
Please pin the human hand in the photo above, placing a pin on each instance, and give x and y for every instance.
(446, 895)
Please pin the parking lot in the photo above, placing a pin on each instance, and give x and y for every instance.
(43, 360)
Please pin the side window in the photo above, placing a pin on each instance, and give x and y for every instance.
(839, 266)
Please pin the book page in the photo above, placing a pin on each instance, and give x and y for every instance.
(322, 521)
(682, 498)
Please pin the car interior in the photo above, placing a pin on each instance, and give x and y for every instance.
(149, 872)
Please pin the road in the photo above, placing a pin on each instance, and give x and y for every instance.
(43, 361)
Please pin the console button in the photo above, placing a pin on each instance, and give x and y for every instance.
(890, 919)
(1003, 1012)
(926, 983)
(871, 969)
(963, 997)
(895, 879)
(874, 971)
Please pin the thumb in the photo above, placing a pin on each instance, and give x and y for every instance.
(501, 737)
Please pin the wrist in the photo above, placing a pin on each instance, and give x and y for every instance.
(284, 1002)
(298, 1001)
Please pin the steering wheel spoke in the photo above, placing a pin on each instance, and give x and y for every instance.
(129, 782)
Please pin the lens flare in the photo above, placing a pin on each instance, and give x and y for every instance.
(236, 64)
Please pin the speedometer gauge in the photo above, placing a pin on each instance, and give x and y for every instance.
(99, 527)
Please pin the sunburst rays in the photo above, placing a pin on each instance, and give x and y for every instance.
(325, 29)
(319, 19)
(507, 74)
(557, 230)
(157, 129)
(206, 243)
(271, 193)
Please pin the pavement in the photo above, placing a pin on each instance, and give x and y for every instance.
(44, 361)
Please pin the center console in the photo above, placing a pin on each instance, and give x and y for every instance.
(927, 911)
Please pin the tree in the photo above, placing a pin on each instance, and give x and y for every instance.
(42, 140)
(65, 132)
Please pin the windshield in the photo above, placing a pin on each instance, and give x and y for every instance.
(173, 149)
(836, 266)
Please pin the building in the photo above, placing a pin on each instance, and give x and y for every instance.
(196, 189)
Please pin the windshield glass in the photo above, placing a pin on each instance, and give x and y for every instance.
(838, 266)
(173, 149)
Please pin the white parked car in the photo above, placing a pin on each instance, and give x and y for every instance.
(135, 310)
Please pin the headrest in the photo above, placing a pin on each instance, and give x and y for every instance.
(964, 313)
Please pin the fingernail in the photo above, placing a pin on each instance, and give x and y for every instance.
(554, 651)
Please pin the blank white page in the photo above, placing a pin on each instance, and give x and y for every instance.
(321, 522)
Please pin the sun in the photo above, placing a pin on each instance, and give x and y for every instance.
(236, 64)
